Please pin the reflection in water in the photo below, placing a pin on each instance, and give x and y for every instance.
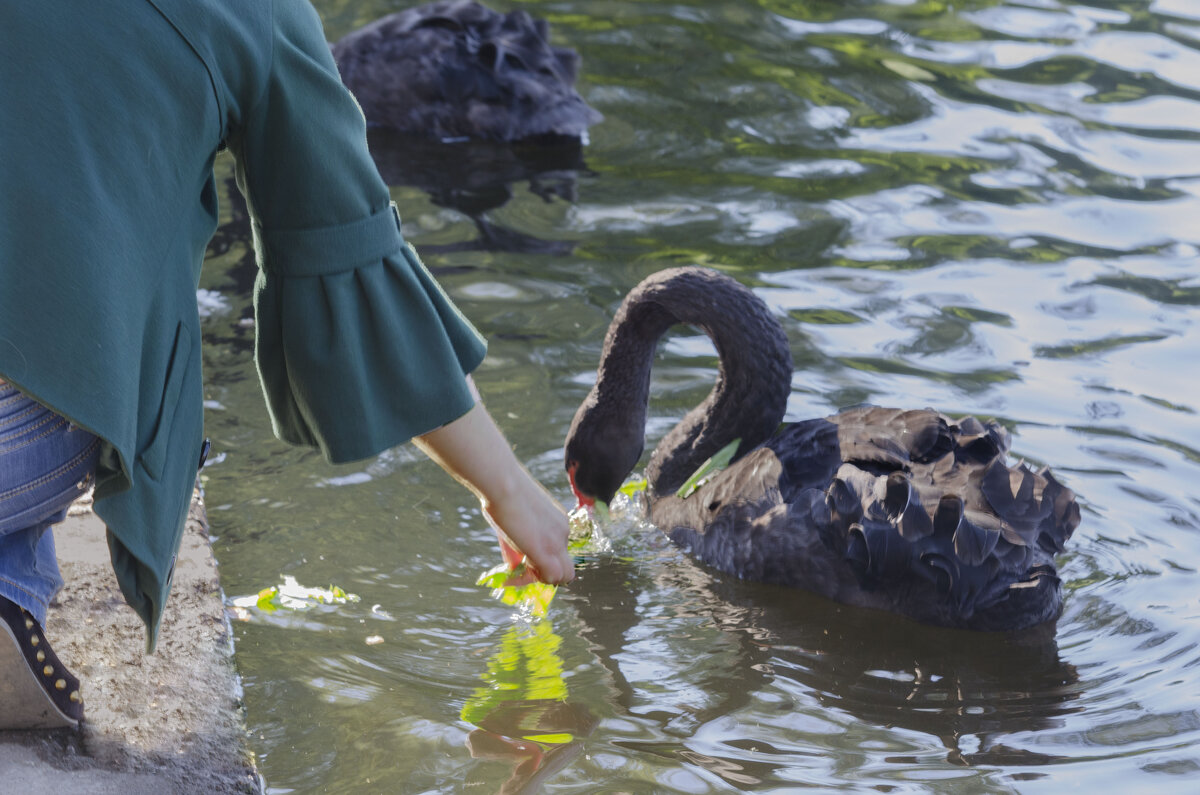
(469, 177)
(473, 178)
(523, 715)
(969, 689)
(476, 177)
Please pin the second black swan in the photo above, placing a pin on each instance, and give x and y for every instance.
(458, 70)
(908, 511)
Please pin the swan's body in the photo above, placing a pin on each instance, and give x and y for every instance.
(456, 69)
(907, 511)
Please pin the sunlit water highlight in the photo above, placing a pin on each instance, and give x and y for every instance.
(988, 207)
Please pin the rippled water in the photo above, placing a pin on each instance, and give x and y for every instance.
(987, 207)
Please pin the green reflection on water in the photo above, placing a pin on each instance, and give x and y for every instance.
(1091, 347)
(526, 667)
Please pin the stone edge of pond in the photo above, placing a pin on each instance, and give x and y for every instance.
(172, 721)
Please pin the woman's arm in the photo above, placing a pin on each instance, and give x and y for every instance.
(527, 519)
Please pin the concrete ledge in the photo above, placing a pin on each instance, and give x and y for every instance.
(169, 722)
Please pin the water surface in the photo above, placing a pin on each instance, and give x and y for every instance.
(987, 207)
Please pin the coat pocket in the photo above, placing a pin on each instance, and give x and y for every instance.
(154, 456)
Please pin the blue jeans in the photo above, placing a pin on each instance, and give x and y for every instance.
(45, 464)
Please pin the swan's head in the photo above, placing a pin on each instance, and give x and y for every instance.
(600, 453)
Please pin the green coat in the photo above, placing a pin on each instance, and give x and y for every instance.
(111, 115)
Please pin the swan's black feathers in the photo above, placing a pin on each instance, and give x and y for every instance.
(893, 494)
(456, 69)
(904, 510)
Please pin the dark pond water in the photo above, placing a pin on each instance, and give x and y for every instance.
(987, 207)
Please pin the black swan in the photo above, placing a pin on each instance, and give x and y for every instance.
(458, 70)
(908, 511)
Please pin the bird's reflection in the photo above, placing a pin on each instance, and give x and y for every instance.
(477, 177)
(878, 668)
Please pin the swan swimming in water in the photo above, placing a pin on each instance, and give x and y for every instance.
(458, 70)
(908, 511)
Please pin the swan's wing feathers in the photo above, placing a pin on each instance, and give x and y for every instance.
(880, 452)
(944, 537)
(809, 452)
(855, 494)
(979, 441)
(892, 438)
(740, 523)
(940, 570)
(974, 541)
(751, 539)
(864, 437)
(879, 552)
(1064, 515)
(1009, 491)
(918, 500)
(1033, 505)
(927, 435)
(896, 537)
(899, 502)
(844, 505)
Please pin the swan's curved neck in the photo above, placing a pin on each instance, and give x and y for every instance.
(750, 396)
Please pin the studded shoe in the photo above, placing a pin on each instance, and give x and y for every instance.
(36, 690)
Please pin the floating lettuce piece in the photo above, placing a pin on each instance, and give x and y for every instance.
(496, 576)
(717, 462)
(533, 599)
(633, 487)
(291, 595)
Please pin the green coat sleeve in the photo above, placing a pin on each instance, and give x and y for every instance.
(358, 348)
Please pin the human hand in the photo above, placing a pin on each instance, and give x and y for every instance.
(531, 527)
